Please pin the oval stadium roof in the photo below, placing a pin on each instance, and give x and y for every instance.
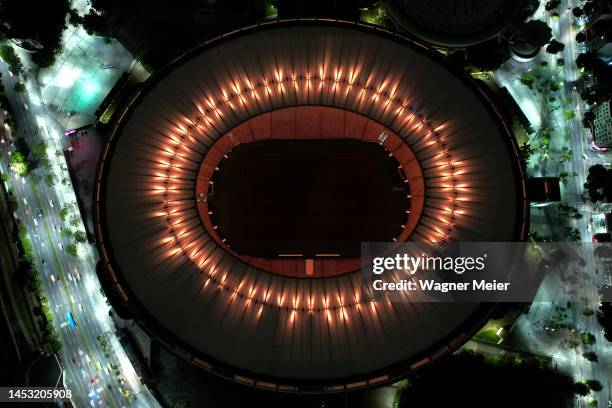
(278, 331)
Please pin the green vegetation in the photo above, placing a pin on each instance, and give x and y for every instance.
(43, 21)
(31, 277)
(19, 164)
(376, 15)
(64, 212)
(270, 9)
(80, 237)
(488, 336)
(591, 356)
(39, 150)
(19, 87)
(566, 154)
(527, 80)
(559, 320)
(569, 114)
(74, 220)
(26, 243)
(72, 250)
(571, 343)
(8, 54)
(96, 24)
(596, 180)
(554, 87)
(13, 205)
(105, 344)
(555, 47)
(605, 319)
(4, 177)
(564, 176)
(580, 388)
(41, 155)
(594, 385)
(50, 333)
(571, 233)
(569, 212)
(50, 179)
(552, 5)
(588, 338)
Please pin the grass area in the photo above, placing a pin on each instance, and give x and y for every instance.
(488, 336)
(376, 15)
(270, 10)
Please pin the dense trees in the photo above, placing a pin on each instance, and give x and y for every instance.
(43, 21)
(8, 54)
(555, 47)
(96, 24)
(487, 56)
(72, 250)
(594, 385)
(535, 32)
(19, 164)
(19, 87)
(577, 12)
(605, 319)
(596, 181)
(552, 4)
(466, 375)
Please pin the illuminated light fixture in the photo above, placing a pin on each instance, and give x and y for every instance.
(193, 242)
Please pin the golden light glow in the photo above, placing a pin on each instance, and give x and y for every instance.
(173, 181)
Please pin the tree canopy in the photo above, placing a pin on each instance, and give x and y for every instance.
(43, 21)
(555, 47)
(596, 181)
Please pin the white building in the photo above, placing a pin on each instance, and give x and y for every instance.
(602, 125)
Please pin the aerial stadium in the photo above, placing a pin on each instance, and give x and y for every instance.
(274, 102)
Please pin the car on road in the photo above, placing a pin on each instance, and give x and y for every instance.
(71, 320)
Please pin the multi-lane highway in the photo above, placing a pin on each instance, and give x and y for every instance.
(98, 375)
(531, 329)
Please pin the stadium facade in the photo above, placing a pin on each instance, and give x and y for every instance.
(259, 324)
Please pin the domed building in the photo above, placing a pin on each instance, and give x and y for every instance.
(238, 184)
(454, 23)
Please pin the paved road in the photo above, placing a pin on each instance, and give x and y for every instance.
(70, 283)
(588, 296)
(532, 327)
